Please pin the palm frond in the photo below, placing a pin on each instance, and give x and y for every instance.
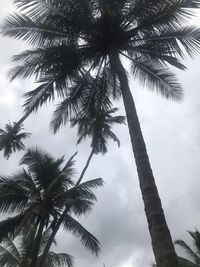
(7, 242)
(9, 226)
(7, 258)
(37, 97)
(82, 191)
(156, 77)
(188, 250)
(40, 7)
(59, 260)
(32, 30)
(42, 165)
(88, 240)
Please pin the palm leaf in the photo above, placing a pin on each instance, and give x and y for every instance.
(60, 259)
(9, 226)
(78, 230)
(156, 77)
(188, 250)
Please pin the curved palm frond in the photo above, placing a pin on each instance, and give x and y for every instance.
(193, 254)
(8, 227)
(20, 255)
(8, 255)
(78, 230)
(59, 260)
(157, 77)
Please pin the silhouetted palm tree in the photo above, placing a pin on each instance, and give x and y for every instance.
(75, 40)
(40, 193)
(11, 139)
(18, 254)
(98, 126)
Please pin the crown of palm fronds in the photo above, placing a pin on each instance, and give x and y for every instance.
(11, 139)
(75, 40)
(42, 191)
(98, 125)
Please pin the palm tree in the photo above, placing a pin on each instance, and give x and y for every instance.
(11, 139)
(76, 40)
(97, 125)
(18, 254)
(40, 193)
(193, 254)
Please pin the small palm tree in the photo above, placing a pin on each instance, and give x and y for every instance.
(77, 39)
(40, 193)
(18, 254)
(11, 139)
(98, 126)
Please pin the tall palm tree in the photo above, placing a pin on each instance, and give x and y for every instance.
(11, 139)
(18, 254)
(78, 39)
(40, 193)
(96, 124)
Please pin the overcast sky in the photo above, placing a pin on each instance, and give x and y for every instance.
(172, 134)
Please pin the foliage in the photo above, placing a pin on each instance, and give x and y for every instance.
(97, 125)
(11, 139)
(193, 254)
(17, 254)
(74, 41)
(41, 192)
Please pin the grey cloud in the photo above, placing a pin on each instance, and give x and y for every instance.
(171, 131)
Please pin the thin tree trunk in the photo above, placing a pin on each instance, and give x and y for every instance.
(162, 244)
(37, 244)
(60, 220)
(33, 107)
(22, 119)
(85, 168)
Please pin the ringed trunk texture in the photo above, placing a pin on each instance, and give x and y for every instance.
(162, 244)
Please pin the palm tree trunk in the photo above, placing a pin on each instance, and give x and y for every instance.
(22, 119)
(57, 225)
(37, 244)
(162, 244)
(32, 108)
(85, 168)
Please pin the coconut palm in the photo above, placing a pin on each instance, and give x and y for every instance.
(11, 139)
(97, 125)
(75, 40)
(18, 254)
(40, 193)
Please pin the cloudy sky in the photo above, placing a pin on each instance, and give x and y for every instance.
(172, 134)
